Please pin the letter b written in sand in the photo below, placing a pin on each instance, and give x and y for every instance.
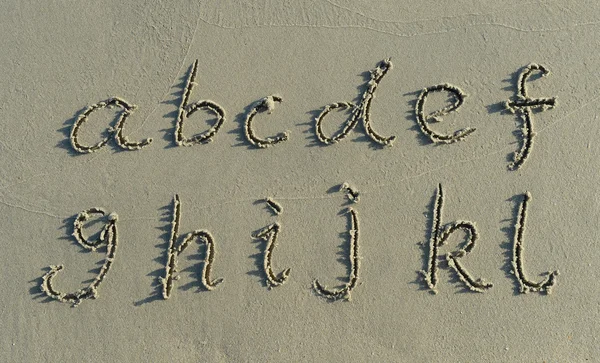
(185, 111)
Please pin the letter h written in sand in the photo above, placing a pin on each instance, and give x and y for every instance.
(174, 251)
(438, 236)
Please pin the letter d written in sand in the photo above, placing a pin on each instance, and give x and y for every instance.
(360, 111)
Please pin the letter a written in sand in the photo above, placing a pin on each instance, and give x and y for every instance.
(117, 132)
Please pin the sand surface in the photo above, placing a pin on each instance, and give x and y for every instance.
(59, 58)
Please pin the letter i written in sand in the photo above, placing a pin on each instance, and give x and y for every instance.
(269, 234)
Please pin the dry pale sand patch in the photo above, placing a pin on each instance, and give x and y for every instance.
(322, 180)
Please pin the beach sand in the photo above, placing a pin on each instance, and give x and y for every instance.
(59, 59)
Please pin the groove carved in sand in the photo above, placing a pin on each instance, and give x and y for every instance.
(274, 206)
(270, 234)
(525, 283)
